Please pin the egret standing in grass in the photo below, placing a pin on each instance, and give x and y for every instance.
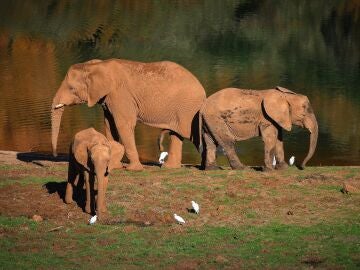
(92, 220)
(179, 219)
(162, 157)
(195, 207)
(291, 161)
(274, 162)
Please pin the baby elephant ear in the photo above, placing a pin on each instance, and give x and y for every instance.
(117, 152)
(278, 109)
(80, 151)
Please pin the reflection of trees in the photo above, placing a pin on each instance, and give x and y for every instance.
(23, 96)
(309, 46)
(341, 31)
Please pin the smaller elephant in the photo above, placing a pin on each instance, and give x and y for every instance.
(233, 114)
(92, 155)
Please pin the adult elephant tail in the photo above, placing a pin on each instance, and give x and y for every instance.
(161, 139)
(197, 130)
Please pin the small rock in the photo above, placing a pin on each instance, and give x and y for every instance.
(37, 218)
(221, 259)
(347, 188)
(290, 213)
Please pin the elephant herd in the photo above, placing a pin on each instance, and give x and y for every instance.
(167, 96)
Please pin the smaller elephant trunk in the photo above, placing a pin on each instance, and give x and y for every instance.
(311, 124)
(55, 127)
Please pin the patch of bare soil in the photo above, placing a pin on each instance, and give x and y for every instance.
(152, 197)
(29, 200)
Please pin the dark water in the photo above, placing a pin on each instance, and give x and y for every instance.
(311, 47)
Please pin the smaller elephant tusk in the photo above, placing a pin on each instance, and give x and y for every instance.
(59, 106)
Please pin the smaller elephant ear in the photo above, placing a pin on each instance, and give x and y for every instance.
(277, 107)
(97, 81)
(80, 151)
(117, 152)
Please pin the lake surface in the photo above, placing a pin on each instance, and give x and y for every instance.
(310, 47)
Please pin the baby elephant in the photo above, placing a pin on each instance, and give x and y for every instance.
(233, 114)
(92, 155)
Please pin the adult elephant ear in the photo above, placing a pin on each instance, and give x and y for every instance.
(97, 81)
(278, 109)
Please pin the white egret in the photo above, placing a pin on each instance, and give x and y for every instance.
(179, 219)
(291, 161)
(92, 220)
(274, 161)
(195, 206)
(162, 157)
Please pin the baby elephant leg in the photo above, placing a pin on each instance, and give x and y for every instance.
(101, 158)
(73, 176)
(88, 192)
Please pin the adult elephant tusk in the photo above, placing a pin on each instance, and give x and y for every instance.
(60, 105)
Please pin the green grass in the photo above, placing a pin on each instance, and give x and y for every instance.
(116, 210)
(252, 229)
(272, 246)
(4, 181)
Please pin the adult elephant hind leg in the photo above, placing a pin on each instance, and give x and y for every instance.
(175, 151)
(235, 163)
(225, 138)
(209, 158)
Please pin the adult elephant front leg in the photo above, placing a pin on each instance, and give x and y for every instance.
(110, 128)
(127, 135)
(279, 152)
(175, 149)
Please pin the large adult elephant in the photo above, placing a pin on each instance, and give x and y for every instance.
(159, 94)
(234, 114)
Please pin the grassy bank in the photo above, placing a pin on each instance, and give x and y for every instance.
(248, 219)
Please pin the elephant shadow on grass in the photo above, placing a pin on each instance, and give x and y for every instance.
(79, 195)
(37, 157)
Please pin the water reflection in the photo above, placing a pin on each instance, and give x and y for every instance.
(312, 47)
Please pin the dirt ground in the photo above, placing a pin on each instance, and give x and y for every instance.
(151, 197)
(301, 219)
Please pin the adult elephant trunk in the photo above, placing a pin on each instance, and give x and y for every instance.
(56, 114)
(311, 124)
